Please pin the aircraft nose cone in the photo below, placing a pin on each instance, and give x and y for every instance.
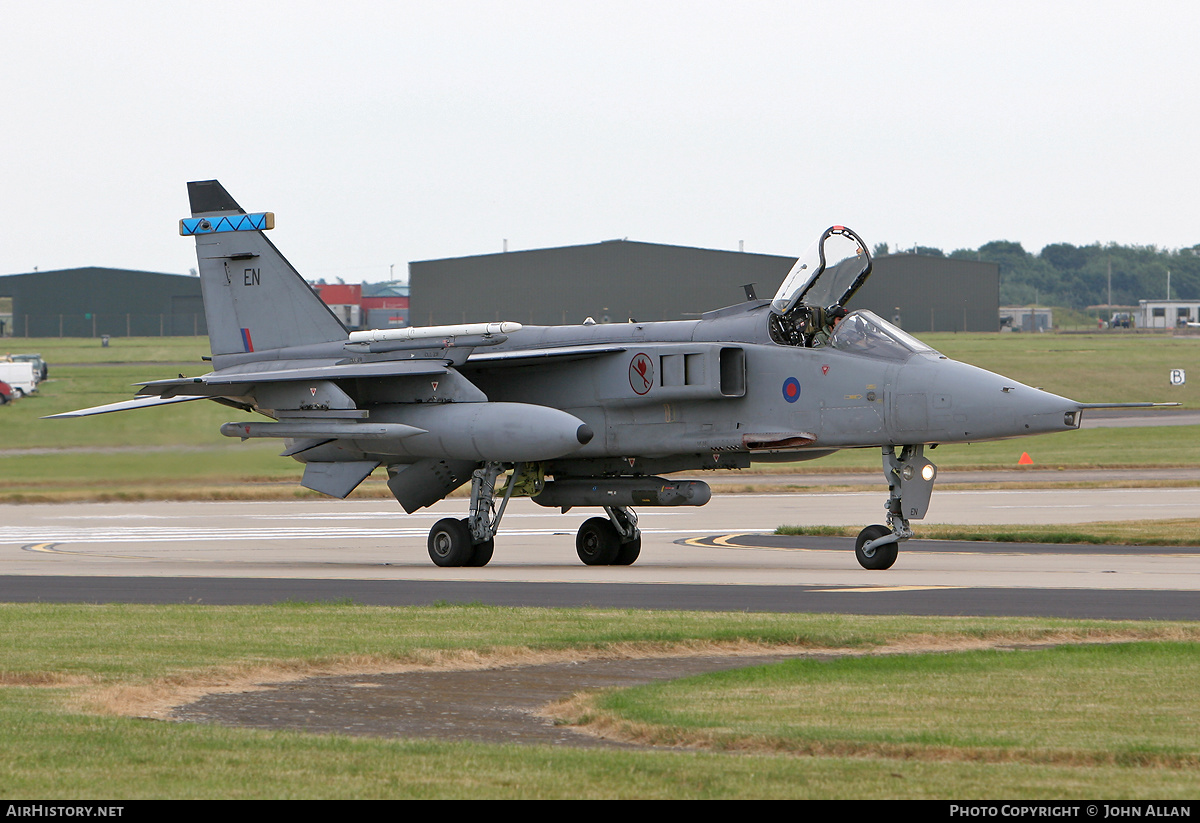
(957, 402)
(584, 434)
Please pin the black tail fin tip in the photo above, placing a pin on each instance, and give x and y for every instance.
(207, 196)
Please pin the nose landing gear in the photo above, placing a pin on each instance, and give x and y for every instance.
(910, 483)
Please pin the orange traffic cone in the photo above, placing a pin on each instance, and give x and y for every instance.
(1025, 460)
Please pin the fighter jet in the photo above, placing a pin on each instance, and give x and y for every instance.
(583, 415)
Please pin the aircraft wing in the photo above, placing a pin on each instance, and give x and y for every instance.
(279, 373)
(236, 382)
(125, 405)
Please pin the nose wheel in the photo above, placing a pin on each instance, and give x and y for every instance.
(875, 556)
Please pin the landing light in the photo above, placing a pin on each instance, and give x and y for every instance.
(928, 472)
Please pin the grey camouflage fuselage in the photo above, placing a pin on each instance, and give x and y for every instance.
(583, 415)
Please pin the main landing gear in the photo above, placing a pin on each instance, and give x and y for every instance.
(910, 483)
(450, 544)
(470, 541)
(615, 541)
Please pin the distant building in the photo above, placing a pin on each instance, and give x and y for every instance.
(94, 301)
(385, 305)
(1026, 318)
(367, 305)
(613, 281)
(344, 300)
(618, 280)
(1167, 314)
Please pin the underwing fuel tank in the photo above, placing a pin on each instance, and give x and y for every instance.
(505, 432)
(623, 491)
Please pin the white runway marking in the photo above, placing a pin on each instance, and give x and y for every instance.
(176, 535)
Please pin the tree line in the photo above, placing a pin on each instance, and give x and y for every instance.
(1078, 276)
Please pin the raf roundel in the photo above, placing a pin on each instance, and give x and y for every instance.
(791, 390)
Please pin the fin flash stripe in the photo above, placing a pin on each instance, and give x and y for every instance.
(246, 341)
(262, 221)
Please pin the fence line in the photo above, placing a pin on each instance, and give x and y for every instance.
(99, 325)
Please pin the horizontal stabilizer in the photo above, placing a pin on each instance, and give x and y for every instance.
(124, 405)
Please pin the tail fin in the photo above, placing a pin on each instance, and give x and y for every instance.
(253, 298)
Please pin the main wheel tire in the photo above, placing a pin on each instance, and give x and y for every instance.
(628, 553)
(450, 543)
(481, 553)
(880, 557)
(598, 542)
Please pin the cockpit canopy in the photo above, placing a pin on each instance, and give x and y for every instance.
(827, 274)
(864, 332)
(814, 293)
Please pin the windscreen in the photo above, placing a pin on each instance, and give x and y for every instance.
(865, 332)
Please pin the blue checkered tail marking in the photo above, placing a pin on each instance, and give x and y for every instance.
(262, 221)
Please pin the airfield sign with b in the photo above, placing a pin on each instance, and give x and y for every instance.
(1177, 377)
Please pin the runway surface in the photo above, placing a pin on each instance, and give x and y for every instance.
(719, 557)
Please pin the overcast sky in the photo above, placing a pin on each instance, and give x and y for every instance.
(384, 132)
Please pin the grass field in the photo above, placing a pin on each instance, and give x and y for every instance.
(1041, 706)
(1110, 721)
(1090, 368)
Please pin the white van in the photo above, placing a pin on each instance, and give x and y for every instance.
(21, 376)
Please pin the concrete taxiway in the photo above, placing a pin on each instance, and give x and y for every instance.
(718, 556)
